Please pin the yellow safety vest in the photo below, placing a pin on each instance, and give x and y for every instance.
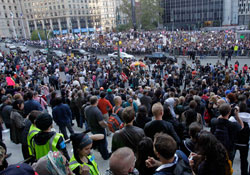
(32, 132)
(42, 150)
(93, 169)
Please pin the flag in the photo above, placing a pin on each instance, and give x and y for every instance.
(10, 81)
(39, 36)
(124, 77)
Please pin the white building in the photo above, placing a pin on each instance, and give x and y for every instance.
(12, 23)
(244, 12)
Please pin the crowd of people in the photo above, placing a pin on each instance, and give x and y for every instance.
(203, 43)
(162, 119)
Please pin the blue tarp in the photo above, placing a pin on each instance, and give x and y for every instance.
(56, 32)
(64, 31)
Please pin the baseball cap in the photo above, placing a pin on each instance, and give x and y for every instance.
(23, 169)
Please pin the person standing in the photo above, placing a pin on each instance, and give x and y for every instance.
(105, 106)
(97, 125)
(47, 140)
(31, 104)
(62, 116)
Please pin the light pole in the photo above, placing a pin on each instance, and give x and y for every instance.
(118, 38)
(133, 14)
(47, 43)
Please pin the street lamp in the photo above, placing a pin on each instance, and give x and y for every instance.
(118, 38)
(49, 59)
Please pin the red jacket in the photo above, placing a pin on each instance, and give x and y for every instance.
(103, 104)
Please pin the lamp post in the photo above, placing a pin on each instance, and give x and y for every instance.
(118, 38)
(47, 43)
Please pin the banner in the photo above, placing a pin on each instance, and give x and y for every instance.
(10, 81)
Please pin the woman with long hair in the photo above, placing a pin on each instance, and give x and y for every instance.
(211, 156)
(17, 124)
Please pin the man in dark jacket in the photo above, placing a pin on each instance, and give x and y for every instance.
(62, 116)
(130, 135)
(159, 125)
(31, 104)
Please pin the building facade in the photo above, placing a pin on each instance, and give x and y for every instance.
(62, 16)
(244, 12)
(12, 21)
(195, 14)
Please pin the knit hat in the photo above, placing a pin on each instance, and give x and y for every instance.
(80, 140)
(43, 121)
(23, 169)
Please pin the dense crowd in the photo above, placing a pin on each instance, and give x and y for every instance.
(163, 118)
(177, 42)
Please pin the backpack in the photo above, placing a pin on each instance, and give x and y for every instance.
(221, 133)
(114, 121)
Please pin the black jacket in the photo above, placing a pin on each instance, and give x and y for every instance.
(129, 136)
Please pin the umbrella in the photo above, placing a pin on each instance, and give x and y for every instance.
(10, 81)
(138, 63)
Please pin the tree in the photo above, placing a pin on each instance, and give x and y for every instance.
(35, 37)
(148, 13)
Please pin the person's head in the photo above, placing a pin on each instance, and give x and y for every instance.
(58, 100)
(17, 97)
(142, 111)
(128, 114)
(93, 100)
(192, 104)
(52, 163)
(194, 129)
(157, 110)
(103, 94)
(164, 146)
(122, 161)
(225, 110)
(231, 97)
(242, 98)
(117, 100)
(33, 115)
(44, 122)
(82, 145)
(29, 95)
(144, 149)
(197, 99)
(18, 104)
(243, 107)
(5, 99)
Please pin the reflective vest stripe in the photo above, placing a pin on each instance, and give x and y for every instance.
(51, 142)
(33, 131)
(73, 162)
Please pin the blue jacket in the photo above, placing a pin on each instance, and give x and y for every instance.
(62, 114)
(31, 105)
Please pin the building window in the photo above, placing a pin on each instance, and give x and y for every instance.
(6, 16)
(14, 1)
(17, 15)
(4, 7)
(10, 7)
(63, 6)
